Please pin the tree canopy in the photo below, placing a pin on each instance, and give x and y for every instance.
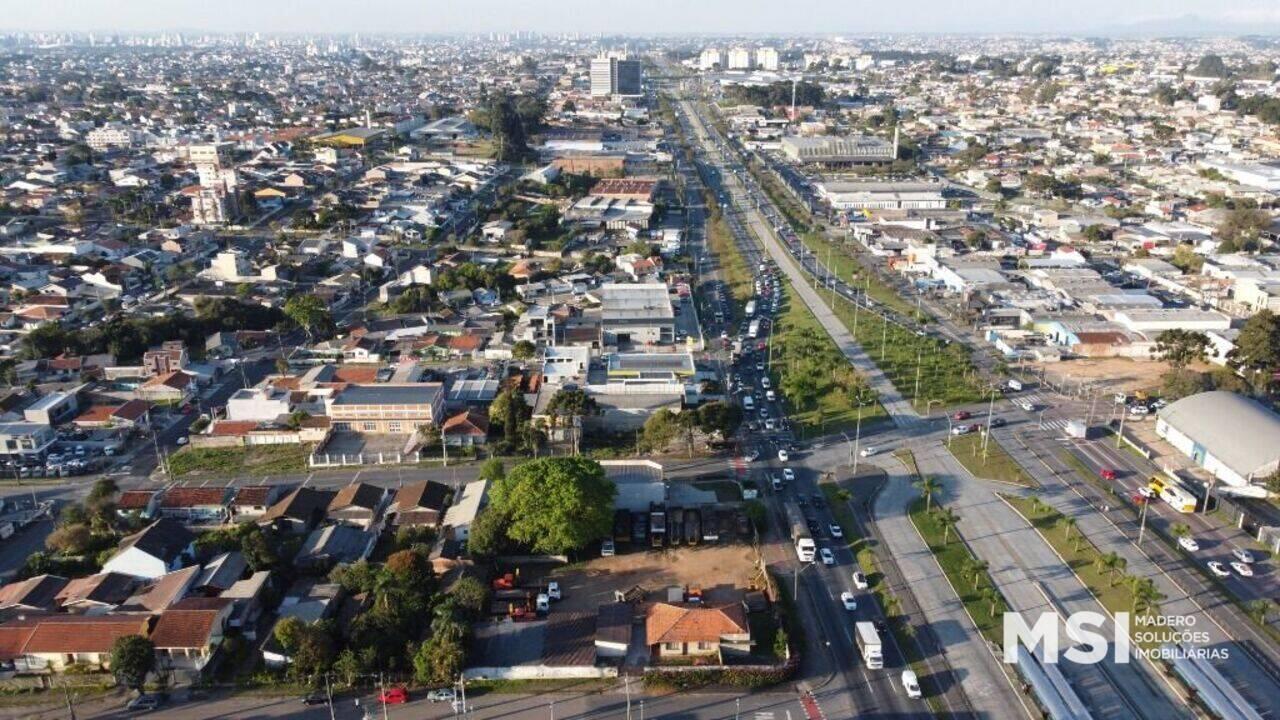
(555, 505)
(133, 657)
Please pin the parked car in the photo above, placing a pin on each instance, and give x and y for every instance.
(442, 695)
(145, 703)
(1218, 569)
(1245, 569)
(1242, 555)
(394, 696)
(1188, 543)
(860, 580)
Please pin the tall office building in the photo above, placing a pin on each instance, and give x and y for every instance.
(613, 76)
(767, 58)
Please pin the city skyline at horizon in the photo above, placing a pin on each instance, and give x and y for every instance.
(661, 17)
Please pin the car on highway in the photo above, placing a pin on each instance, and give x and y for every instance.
(997, 422)
(868, 451)
(315, 698)
(860, 580)
(1218, 569)
(1242, 555)
(911, 684)
(764, 382)
(788, 473)
(770, 425)
(848, 601)
(1146, 492)
(828, 557)
(962, 430)
(1188, 543)
(753, 456)
(776, 482)
(961, 415)
(1244, 569)
(836, 531)
(764, 412)
(1107, 474)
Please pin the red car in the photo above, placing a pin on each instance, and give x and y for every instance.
(1107, 474)
(961, 415)
(394, 696)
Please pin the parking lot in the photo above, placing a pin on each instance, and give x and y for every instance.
(588, 585)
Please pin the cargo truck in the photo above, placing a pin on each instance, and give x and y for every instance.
(869, 645)
(800, 535)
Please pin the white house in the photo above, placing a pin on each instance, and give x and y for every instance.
(157, 549)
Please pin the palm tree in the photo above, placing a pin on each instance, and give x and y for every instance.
(992, 596)
(947, 518)
(978, 567)
(1103, 562)
(1068, 524)
(1145, 595)
(1117, 566)
(928, 485)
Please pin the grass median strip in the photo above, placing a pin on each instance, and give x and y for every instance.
(1103, 574)
(967, 574)
(995, 465)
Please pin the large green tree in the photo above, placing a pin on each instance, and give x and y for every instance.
(556, 505)
(133, 657)
(1180, 348)
(309, 312)
(1257, 351)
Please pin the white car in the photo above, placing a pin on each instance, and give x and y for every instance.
(1026, 405)
(846, 599)
(911, 684)
(1146, 492)
(1243, 568)
(860, 580)
(783, 455)
(836, 531)
(1243, 555)
(1218, 569)
(770, 425)
(828, 558)
(787, 473)
(441, 695)
(961, 430)
(1188, 543)
(764, 383)
(181, 441)
(868, 451)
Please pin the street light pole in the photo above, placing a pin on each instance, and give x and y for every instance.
(857, 437)
(915, 396)
(991, 406)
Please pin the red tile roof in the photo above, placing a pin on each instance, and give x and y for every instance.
(134, 499)
(83, 634)
(189, 623)
(666, 623)
(185, 497)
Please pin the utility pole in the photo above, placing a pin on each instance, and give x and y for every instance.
(857, 436)
(1142, 524)
(328, 691)
(1120, 433)
(626, 684)
(987, 436)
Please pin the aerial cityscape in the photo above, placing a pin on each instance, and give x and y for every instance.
(580, 361)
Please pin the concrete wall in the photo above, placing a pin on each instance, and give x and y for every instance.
(540, 672)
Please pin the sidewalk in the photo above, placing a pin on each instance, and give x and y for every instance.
(985, 684)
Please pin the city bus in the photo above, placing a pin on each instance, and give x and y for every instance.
(1178, 499)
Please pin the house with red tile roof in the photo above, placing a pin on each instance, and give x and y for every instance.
(58, 641)
(466, 429)
(190, 631)
(687, 629)
(173, 388)
(252, 501)
(143, 502)
(197, 505)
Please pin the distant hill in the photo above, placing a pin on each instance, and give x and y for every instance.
(1193, 26)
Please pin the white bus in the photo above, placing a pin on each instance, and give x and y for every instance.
(1178, 499)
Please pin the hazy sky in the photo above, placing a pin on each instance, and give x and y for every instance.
(624, 16)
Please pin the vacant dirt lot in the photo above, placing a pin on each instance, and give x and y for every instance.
(586, 586)
(1120, 374)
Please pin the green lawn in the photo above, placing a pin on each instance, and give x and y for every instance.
(955, 558)
(1081, 555)
(945, 370)
(838, 256)
(249, 461)
(733, 268)
(997, 465)
(834, 411)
